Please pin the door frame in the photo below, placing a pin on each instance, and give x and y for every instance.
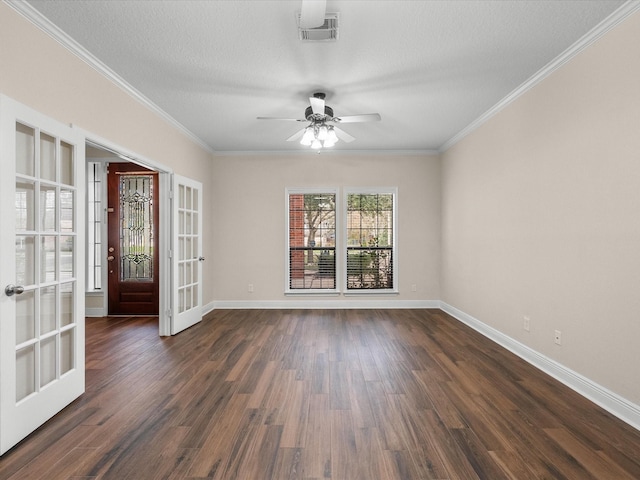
(164, 228)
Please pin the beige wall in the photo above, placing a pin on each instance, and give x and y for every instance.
(38, 72)
(541, 215)
(249, 212)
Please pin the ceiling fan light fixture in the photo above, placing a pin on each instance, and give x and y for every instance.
(331, 135)
(322, 132)
(307, 137)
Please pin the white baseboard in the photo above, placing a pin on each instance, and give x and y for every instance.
(94, 312)
(611, 402)
(207, 308)
(326, 303)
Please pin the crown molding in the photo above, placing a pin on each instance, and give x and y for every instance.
(309, 152)
(40, 21)
(589, 38)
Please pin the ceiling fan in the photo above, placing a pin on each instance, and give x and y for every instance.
(321, 132)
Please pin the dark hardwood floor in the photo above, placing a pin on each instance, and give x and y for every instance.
(319, 394)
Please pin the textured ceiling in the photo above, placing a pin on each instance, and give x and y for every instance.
(429, 68)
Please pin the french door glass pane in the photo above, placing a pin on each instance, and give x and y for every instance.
(67, 353)
(48, 258)
(187, 248)
(25, 372)
(48, 361)
(47, 309)
(66, 257)
(25, 150)
(25, 201)
(66, 163)
(25, 317)
(47, 208)
(187, 298)
(66, 211)
(66, 303)
(188, 278)
(47, 157)
(25, 260)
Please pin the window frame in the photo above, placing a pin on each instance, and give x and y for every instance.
(394, 234)
(337, 248)
(96, 171)
(341, 247)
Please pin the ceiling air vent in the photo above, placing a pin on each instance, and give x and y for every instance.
(327, 32)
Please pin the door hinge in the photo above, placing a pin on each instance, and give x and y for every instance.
(169, 313)
(170, 254)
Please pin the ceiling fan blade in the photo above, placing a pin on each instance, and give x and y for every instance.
(317, 105)
(344, 136)
(312, 13)
(366, 117)
(286, 119)
(296, 135)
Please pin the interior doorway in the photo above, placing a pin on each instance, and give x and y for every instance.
(177, 238)
(99, 154)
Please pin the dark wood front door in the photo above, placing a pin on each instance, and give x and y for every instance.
(132, 258)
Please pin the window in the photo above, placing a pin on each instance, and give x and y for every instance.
(312, 241)
(361, 257)
(95, 191)
(370, 241)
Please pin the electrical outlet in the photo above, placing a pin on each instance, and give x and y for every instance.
(558, 337)
(250, 289)
(414, 288)
(526, 323)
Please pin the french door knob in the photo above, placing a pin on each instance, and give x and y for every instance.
(11, 290)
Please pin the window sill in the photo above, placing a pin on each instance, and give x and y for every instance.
(370, 291)
(315, 293)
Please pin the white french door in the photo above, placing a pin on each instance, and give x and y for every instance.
(186, 253)
(42, 276)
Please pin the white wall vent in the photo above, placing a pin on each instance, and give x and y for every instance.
(327, 32)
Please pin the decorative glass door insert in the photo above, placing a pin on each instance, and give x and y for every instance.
(136, 228)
